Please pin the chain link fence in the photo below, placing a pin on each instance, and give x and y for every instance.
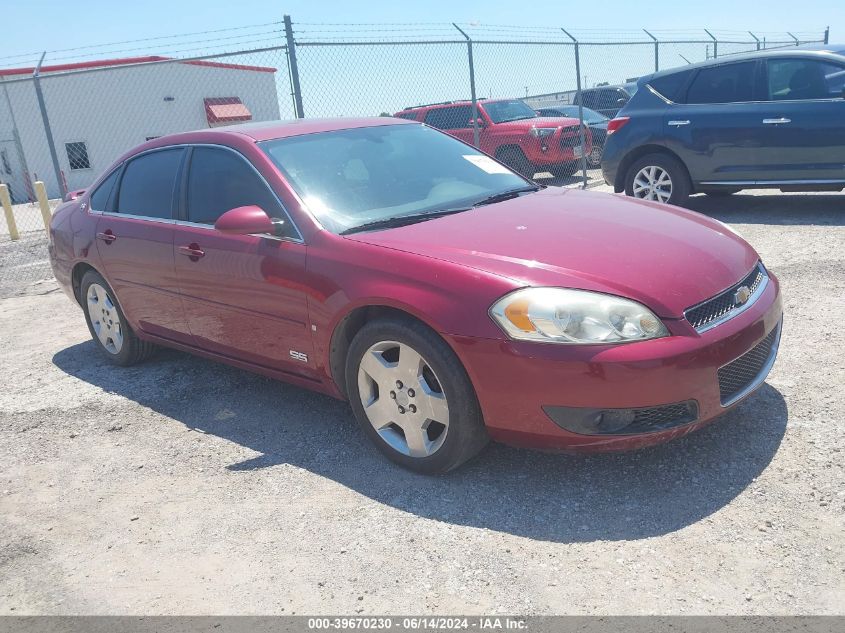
(63, 123)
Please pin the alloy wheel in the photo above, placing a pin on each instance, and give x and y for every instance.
(403, 399)
(653, 183)
(104, 319)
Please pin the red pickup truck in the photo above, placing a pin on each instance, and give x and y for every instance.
(512, 132)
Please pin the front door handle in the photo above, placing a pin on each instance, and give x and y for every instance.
(776, 121)
(107, 236)
(678, 123)
(192, 251)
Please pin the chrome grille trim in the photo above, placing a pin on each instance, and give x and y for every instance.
(716, 310)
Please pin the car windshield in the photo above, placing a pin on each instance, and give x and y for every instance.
(510, 110)
(349, 178)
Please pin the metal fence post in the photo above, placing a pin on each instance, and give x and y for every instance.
(471, 86)
(797, 41)
(756, 39)
(826, 34)
(582, 137)
(715, 44)
(293, 69)
(36, 78)
(656, 51)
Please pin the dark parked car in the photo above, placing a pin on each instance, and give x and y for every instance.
(606, 100)
(449, 299)
(773, 119)
(595, 121)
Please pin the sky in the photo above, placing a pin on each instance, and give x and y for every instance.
(32, 25)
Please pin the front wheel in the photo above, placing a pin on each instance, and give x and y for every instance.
(514, 158)
(658, 177)
(412, 396)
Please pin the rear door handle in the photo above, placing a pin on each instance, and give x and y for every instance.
(776, 121)
(678, 123)
(193, 251)
(107, 236)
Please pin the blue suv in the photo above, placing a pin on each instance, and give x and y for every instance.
(773, 119)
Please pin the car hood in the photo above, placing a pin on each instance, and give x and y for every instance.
(539, 121)
(664, 257)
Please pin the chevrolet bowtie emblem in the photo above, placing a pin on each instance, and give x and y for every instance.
(741, 295)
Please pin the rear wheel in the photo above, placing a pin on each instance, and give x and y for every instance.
(107, 324)
(516, 160)
(658, 177)
(412, 396)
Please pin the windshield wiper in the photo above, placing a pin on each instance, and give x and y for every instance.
(506, 195)
(403, 220)
(519, 118)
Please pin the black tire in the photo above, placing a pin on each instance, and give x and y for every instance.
(564, 170)
(720, 193)
(132, 350)
(514, 158)
(465, 435)
(680, 181)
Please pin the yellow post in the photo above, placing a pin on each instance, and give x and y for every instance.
(6, 201)
(41, 194)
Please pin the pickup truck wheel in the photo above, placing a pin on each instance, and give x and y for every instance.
(516, 160)
(565, 170)
(658, 177)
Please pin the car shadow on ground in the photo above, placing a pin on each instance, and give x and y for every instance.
(825, 209)
(552, 497)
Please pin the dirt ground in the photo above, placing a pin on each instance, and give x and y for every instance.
(182, 486)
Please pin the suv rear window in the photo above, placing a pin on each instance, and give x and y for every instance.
(669, 86)
(730, 83)
(450, 118)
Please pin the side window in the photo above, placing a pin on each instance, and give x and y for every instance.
(730, 83)
(449, 118)
(670, 86)
(792, 79)
(220, 180)
(148, 184)
(101, 195)
(591, 100)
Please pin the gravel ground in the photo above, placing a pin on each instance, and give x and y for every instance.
(182, 486)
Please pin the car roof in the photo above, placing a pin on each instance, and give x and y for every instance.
(268, 130)
(809, 51)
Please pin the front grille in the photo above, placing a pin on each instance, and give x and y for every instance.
(570, 137)
(663, 417)
(739, 375)
(723, 304)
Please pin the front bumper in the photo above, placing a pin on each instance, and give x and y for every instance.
(520, 386)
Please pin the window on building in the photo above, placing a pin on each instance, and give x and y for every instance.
(220, 180)
(77, 155)
(148, 184)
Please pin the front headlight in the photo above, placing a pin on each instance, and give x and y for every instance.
(542, 132)
(561, 315)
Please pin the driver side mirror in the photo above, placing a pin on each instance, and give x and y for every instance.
(248, 220)
(479, 121)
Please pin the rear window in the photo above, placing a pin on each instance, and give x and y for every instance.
(449, 118)
(731, 83)
(670, 86)
(148, 184)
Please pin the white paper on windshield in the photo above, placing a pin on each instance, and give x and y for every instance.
(487, 164)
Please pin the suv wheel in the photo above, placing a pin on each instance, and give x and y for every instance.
(658, 177)
(564, 170)
(516, 160)
(412, 396)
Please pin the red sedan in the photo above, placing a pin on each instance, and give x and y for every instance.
(447, 298)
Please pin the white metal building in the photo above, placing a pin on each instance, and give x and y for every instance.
(98, 110)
